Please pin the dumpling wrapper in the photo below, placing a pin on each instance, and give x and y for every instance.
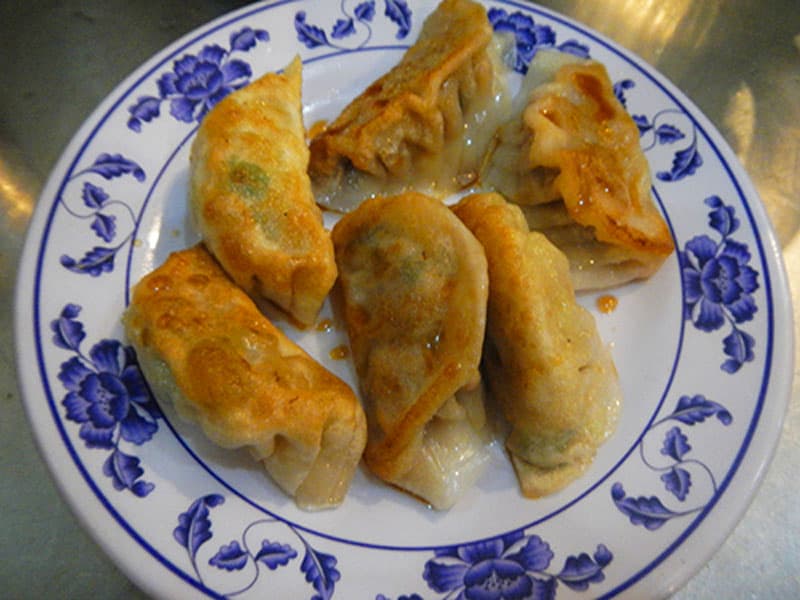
(571, 156)
(251, 196)
(413, 295)
(425, 125)
(544, 361)
(203, 344)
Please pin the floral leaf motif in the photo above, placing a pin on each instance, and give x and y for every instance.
(95, 262)
(619, 90)
(675, 444)
(668, 134)
(230, 557)
(401, 597)
(145, 109)
(245, 39)
(575, 48)
(684, 163)
(343, 28)
(677, 481)
(365, 11)
(582, 570)
(105, 226)
(274, 554)
(739, 346)
(398, 11)
(67, 332)
(649, 512)
(722, 218)
(320, 571)
(642, 123)
(124, 471)
(194, 526)
(310, 35)
(691, 410)
(94, 197)
(110, 166)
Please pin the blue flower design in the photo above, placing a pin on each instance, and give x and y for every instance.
(95, 199)
(718, 284)
(513, 566)
(313, 36)
(198, 82)
(194, 530)
(650, 512)
(108, 397)
(530, 37)
(655, 132)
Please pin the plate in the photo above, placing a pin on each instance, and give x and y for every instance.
(703, 349)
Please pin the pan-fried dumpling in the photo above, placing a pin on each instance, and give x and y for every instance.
(413, 296)
(544, 361)
(425, 124)
(202, 342)
(571, 156)
(251, 196)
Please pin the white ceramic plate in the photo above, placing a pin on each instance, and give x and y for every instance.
(703, 349)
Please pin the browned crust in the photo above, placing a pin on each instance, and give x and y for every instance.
(239, 376)
(271, 240)
(404, 98)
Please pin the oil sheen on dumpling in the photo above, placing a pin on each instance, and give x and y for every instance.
(413, 296)
(425, 124)
(571, 157)
(251, 196)
(544, 361)
(203, 344)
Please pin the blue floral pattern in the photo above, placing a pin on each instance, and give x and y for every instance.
(649, 511)
(719, 284)
(108, 397)
(529, 37)
(197, 82)
(346, 28)
(96, 205)
(509, 567)
(656, 131)
(194, 530)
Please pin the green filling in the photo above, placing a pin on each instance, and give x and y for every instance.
(543, 450)
(248, 180)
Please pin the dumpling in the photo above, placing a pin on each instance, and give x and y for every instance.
(203, 344)
(544, 361)
(251, 196)
(571, 157)
(413, 289)
(425, 124)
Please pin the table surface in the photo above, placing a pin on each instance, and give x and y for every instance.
(739, 60)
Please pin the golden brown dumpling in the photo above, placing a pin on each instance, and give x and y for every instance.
(251, 196)
(571, 156)
(413, 295)
(425, 124)
(544, 361)
(203, 344)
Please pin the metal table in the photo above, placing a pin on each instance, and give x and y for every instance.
(738, 60)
